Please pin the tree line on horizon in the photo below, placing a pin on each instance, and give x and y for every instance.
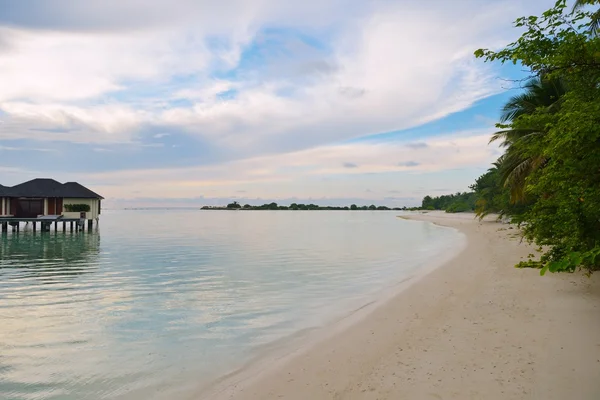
(548, 178)
(452, 203)
(298, 206)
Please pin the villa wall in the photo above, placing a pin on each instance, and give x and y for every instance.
(93, 203)
(6, 209)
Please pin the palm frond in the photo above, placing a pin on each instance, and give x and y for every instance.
(539, 93)
(515, 180)
(515, 167)
(520, 104)
(594, 18)
(579, 4)
(595, 23)
(511, 136)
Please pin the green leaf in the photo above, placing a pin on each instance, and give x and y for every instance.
(576, 258)
(548, 181)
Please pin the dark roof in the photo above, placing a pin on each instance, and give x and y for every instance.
(48, 188)
(4, 191)
(74, 189)
(37, 188)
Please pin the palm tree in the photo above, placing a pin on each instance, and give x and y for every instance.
(518, 162)
(595, 19)
(488, 192)
(515, 166)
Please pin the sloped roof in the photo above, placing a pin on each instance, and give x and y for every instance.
(37, 188)
(4, 190)
(42, 187)
(74, 189)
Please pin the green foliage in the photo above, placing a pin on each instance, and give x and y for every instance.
(459, 207)
(234, 205)
(566, 215)
(594, 18)
(77, 207)
(555, 42)
(493, 196)
(452, 203)
(551, 162)
(541, 95)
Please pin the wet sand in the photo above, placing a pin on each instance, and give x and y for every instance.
(474, 328)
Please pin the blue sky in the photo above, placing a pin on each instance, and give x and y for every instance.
(198, 102)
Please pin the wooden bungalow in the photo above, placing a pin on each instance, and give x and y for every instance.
(45, 197)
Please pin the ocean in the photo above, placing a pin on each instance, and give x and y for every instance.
(154, 304)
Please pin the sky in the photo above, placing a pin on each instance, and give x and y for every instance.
(197, 102)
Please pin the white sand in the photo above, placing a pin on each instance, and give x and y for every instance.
(475, 328)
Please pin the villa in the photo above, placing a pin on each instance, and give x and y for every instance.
(46, 197)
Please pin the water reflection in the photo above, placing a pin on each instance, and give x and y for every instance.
(169, 299)
(50, 257)
(42, 302)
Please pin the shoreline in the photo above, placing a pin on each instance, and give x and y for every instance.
(270, 356)
(473, 327)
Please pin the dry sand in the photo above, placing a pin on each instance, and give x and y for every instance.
(475, 328)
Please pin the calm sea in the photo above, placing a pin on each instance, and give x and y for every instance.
(155, 303)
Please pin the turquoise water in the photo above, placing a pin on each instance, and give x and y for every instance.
(156, 303)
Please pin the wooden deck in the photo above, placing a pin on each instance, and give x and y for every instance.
(45, 223)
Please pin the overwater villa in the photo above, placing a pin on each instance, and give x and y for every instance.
(48, 201)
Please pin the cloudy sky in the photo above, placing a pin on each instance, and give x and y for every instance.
(187, 102)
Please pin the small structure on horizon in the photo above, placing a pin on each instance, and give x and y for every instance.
(48, 200)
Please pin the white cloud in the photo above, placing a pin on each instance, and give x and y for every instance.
(407, 170)
(62, 66)
(274, 86)
(303, 170)
(390, 65)
(11, 148)
(102, 123)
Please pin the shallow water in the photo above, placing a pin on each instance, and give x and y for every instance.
(153, 301)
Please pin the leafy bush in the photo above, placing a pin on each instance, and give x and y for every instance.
(458, 207)
(458, 202)
(77, 207)
(551, 165)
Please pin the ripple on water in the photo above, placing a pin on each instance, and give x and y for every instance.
(157, 298)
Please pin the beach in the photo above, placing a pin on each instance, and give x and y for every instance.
(473, 328)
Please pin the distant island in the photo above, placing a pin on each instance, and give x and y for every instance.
(451, 203)
(274, 206)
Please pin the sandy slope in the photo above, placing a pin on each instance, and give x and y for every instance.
(475, 328)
